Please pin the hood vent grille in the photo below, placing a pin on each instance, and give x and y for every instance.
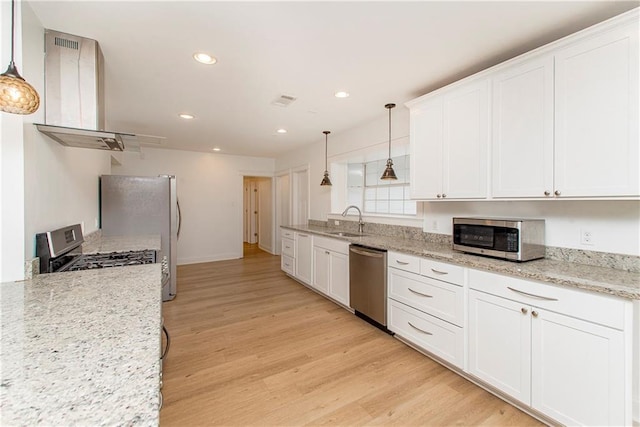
(284, 100)
(69, 44)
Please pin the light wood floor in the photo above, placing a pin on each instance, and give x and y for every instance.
(251, 346)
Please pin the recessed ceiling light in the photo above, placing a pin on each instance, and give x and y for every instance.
(186, 116)
(341, 94)
(281, 131)
(216, 149)
(204, 58)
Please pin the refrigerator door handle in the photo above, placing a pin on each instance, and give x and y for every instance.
(179, 218)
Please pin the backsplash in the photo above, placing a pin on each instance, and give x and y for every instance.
(599, 259)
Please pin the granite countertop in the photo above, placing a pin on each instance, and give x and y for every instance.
(81, 348)
(121, 244)
(598, 279)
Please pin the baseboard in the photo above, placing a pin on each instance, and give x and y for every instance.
(217, 257)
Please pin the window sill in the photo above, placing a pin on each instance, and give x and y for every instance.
(413, 221)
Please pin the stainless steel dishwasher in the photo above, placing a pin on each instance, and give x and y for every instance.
(368, 284)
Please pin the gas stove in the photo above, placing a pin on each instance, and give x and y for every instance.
(60, 250)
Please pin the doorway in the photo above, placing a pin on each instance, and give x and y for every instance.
(258, 212)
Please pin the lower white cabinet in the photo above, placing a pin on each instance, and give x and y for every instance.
(331, 268)
(573, 370)
(303, 258)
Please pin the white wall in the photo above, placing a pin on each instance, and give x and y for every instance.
(210, 189)
(615, 225)
(44, 185)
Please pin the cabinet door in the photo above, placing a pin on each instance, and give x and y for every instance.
(465, 140)
(596, 116)
(339, 278)
(321, 269)
(522, 134)
(303, 258)
(426, 150)
(578, 371)
(500, 344)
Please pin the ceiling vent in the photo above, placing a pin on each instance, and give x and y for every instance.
(70, 44)
(284, 100)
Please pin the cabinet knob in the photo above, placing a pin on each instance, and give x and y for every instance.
(534, 313)
(444, 195)
(327, 252)
(524, 310)
(439, 196)
(547, 193)
(557, 192)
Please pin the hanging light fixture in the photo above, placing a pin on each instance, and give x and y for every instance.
(325, 180)
(16, 95)
(389, 173)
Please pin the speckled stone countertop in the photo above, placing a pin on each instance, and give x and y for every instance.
(598, 279)
(81, 348)
(121, 244)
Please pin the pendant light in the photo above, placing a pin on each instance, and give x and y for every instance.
(389, 173)
(325, 180)
(16, 95)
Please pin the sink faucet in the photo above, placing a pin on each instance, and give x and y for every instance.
(360, 222)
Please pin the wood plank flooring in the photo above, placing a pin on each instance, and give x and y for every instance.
(251, 346)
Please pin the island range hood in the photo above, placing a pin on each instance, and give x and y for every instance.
(74, 96)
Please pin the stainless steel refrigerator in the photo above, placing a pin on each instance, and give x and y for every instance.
(141, 206)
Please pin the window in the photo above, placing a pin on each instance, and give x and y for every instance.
(366, 190)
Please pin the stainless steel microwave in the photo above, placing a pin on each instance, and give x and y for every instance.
(510, 239)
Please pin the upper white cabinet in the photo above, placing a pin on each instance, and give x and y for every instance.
(449, 138)
(596, 127)
(563, 121)
(522, 124)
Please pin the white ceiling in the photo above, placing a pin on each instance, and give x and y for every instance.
(379, 52)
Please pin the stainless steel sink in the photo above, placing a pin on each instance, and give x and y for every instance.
(344, 234)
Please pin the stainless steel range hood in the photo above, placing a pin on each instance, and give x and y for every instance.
(74, 96)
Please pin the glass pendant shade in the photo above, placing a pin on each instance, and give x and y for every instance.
(16, 95)
(389, 173)
(325, 180)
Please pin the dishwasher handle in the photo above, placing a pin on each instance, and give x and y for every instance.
(366, 253)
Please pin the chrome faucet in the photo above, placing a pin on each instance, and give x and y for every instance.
(360, 222)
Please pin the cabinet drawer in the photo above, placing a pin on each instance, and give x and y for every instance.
(403, 262)
(286, 263)
(288, 248)
(334, 245)
(440, 338)
(286, 233)
(440, 299)
(592, 307)
(442, 271)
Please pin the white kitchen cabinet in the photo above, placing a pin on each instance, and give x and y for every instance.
(331, 268)
(288, 252)
(448, 143)
(596, 115)
(303, 258)
(522, 129)
(424, 311)
(500, 344)
(563, 352)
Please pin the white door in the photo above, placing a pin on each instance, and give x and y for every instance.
(596, 116)
(339, 278)
(577, 371)
(522, 134)
(500, 343)
(426, 150)
(321, 269)
(466, 137)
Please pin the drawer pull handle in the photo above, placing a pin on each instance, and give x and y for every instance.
(287, 247)
(418, 329)
(303, 235)
(420, 293)
(532, 295)
(439, 272)
(402, 262)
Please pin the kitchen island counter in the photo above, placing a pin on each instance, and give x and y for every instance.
(82, 348)
(610, 281)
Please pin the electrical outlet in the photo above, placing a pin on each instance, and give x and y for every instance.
(586, 237)
(434, 224)
(336, 222)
